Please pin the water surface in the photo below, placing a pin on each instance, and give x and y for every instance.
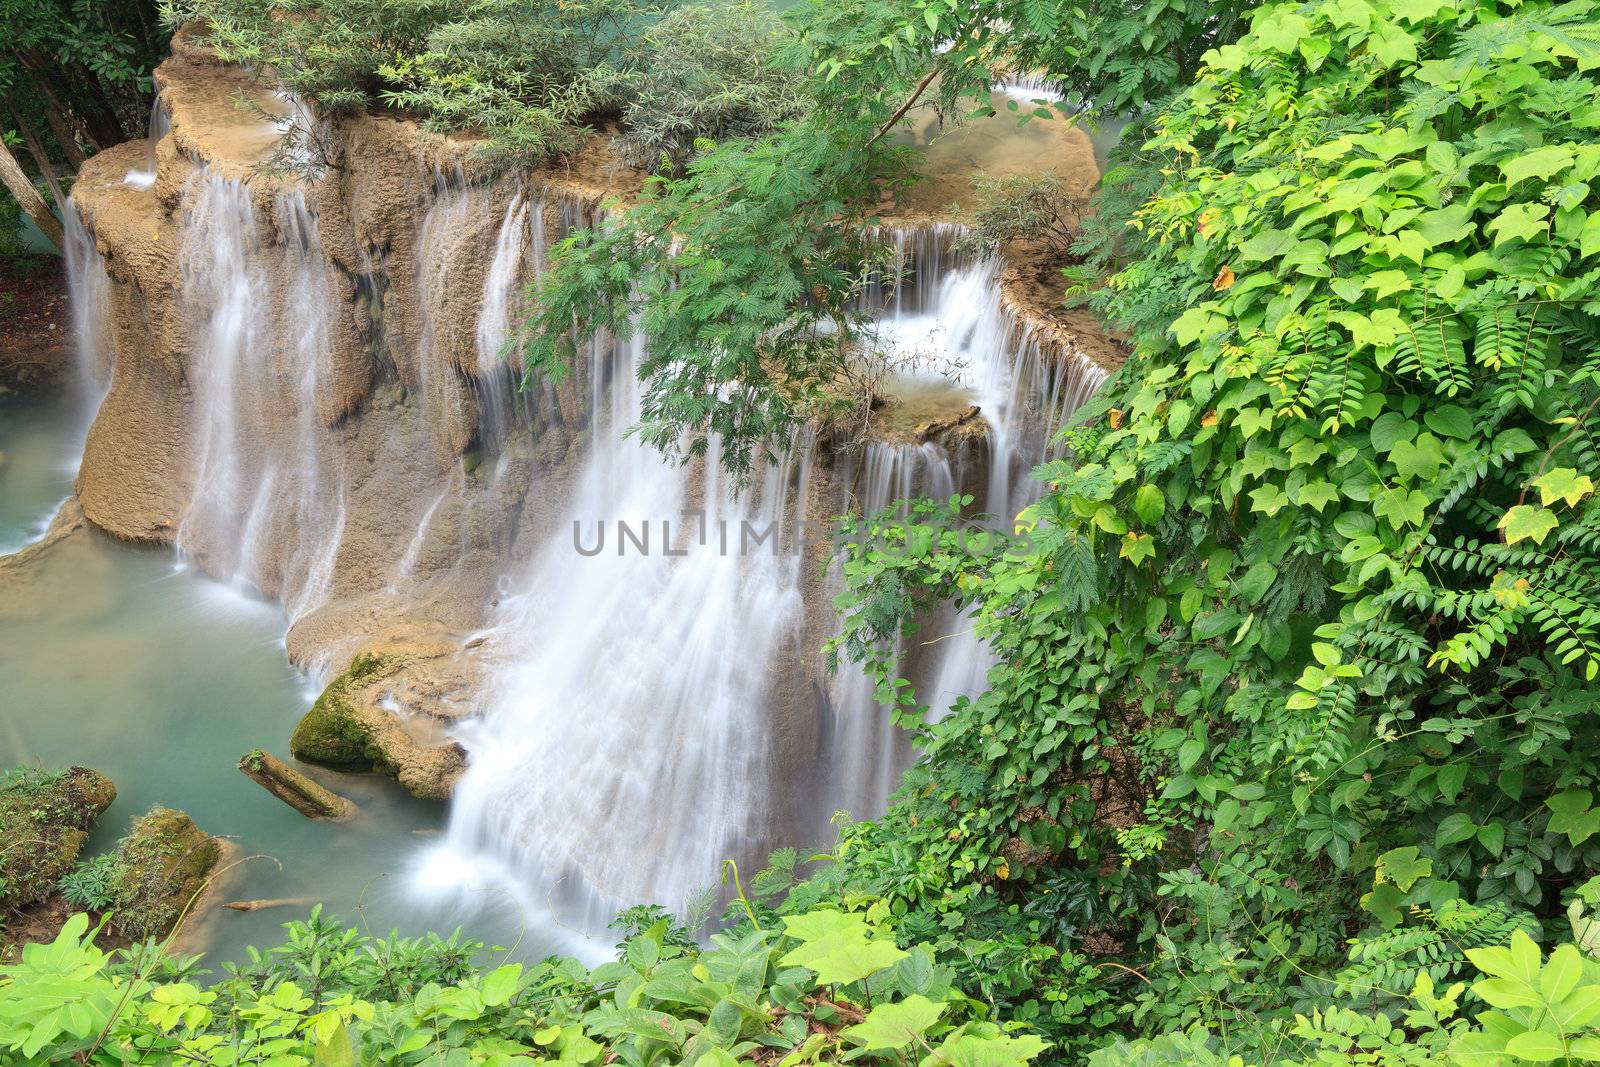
(114, 656)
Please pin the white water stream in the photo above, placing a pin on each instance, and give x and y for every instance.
(268, 507)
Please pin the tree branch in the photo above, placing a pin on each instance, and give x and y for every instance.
(900, 112)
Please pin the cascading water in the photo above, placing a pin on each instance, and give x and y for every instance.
(268, 507)
(866, 751)
(622, 749)
(89, 293)
(623, 746)
(497, 393)
(941, 318)
(160, 126)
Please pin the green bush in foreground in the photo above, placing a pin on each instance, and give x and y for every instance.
(820, 987)
(815, 988)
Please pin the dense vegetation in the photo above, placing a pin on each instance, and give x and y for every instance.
(1290, 755)
(75, 78)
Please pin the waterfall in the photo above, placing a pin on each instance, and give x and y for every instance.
(865, 752)
(268, 507)
(160, 126)
(498, 397)
(623, 747)
(89, 294)
(1030, 88)
(941, 318)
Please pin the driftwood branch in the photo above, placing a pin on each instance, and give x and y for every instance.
(295, 789)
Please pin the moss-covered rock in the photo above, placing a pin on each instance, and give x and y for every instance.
(45, 817)
(333, 731)
(162, 865)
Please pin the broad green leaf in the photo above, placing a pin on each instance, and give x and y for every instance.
(500, 984)
(1537, 1046)
(1403, 866)
(1543, 162)
(1149, 504)
(1519, 221)
(897, 1024)
(1572, 813)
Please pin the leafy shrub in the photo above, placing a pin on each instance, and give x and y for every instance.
(529, 74)
(707, 71)
(1045, 211)
(329, 52)
(92, 884)
(1319, 592)
(821, 985)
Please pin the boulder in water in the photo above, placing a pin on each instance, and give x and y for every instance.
(163, 868)
(333, 731)
(44, 820)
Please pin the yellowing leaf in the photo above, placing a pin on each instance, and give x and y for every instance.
(1224, 279)
(1527, 520)
(1137, 547)
(1564, 484)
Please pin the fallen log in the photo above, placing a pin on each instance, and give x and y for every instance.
(274, 902)
(294, 788)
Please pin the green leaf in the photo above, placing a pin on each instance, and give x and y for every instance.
(1572, 813)
(1269, 499)
(1537, 1046)
(1453, 829)
(1402, 507)
(500, 984)
(1418, 459)
(1149, 503)
(1543, 162)
(896, 1025)
(971, 1050)
(1519, 221)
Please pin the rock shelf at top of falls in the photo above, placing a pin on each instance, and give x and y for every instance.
(309, 397)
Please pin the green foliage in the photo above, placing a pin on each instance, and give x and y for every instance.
(1045, 211)
(825, 986)
(329, 53)
(92, 884)
(1301, 645)
(744, 315)
(529, 74)
(707, 72)
(1121, 56)
(747, 313)
(45, 817)
(75, 75)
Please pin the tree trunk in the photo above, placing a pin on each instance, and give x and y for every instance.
(65, 136)
(294, 788)
(41, 158)
(98, 131)
(29, 197)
